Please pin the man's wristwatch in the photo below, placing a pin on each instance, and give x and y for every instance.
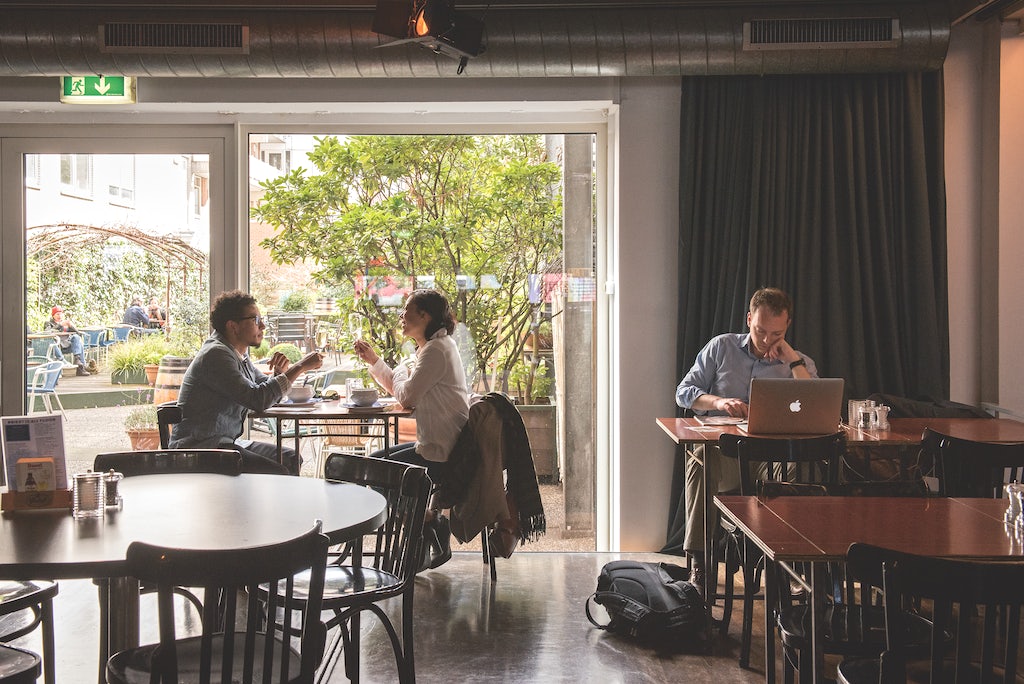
(798, 362)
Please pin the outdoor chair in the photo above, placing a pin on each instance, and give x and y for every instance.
(122, 331)
(37, 597)
(808, 460)
(246, 592)
(44, 385)
(93, 342)
(18, 666)
(967, 468)
(391, 566)
(975, 618)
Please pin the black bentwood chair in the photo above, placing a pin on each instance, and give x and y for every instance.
(159, 462)
(247, 592)
(967, 468)
(37, 597)
(976, 604)
(167, 415)
(391, 565)
(808, 460)
(18, 666)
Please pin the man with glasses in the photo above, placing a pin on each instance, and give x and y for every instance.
(222, 385)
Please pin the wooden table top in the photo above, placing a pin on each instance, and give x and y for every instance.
(821, 528)
(189, 510)
(902, 431)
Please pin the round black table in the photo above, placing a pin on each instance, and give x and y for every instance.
(188, 511)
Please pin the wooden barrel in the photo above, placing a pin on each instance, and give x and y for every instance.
(168, 378)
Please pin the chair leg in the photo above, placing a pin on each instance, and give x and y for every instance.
(485, 545)
(49, 659)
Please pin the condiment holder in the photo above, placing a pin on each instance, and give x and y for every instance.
(110, 481)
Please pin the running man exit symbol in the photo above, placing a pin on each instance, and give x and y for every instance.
(98, 89)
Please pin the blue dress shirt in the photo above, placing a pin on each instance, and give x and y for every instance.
(725, 367)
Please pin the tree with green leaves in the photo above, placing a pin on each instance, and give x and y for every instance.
(478, 214)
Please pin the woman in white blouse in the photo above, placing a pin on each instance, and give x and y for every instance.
(434, 384)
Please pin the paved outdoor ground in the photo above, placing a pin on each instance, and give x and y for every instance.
(95, 430)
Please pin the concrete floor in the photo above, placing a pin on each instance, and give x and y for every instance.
(529, 626)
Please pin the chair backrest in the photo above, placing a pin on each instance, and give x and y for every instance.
(48, 346)
(813, 460)
(45, 377)
(167, 414)
(130, 463)
(93, 337)
(122, 331)
(978, 603)
(225, 575)
(399, 541)
(973, 469)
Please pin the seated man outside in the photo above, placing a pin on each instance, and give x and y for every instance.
(136, 315)
(221, 385)
(70, 341)
(719, 384)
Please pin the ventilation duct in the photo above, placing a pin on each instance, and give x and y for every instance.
(519, 43)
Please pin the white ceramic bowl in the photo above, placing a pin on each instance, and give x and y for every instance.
(364, 397)
(300, 393)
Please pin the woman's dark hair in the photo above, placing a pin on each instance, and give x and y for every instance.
(435, 305)
(229, 306)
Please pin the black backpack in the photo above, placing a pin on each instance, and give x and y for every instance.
(652, 602)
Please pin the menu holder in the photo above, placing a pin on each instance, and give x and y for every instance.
(36, 501)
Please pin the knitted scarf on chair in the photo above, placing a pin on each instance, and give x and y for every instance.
(521, 482)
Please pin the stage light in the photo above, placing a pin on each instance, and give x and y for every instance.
(434, 24)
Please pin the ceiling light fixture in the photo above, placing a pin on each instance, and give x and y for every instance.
(434, 24)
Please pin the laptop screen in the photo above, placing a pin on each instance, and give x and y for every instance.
(795, 406)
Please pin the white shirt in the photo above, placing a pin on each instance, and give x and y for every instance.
(434, 384)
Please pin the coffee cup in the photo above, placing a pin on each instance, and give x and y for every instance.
(365, 396)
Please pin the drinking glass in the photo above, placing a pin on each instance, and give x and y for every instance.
(88, 495)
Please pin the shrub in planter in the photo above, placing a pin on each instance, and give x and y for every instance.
(128, 360)
(142, 429)
(293, 353)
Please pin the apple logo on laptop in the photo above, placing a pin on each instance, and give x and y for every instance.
(795, 406)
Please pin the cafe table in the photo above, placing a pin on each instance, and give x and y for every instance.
(201, 511)
(314, 413)
(903, 433)
(818, 530)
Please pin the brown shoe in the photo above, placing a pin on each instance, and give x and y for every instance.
(81, 371)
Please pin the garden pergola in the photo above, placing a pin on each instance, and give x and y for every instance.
(56, 242)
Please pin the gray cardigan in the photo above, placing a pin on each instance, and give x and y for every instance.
(218, 389)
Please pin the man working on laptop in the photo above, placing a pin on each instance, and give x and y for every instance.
(719, 384)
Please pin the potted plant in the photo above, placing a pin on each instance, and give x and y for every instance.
(142, 429)
(128, 360)
(533, 384)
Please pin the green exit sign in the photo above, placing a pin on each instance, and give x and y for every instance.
(97, 89)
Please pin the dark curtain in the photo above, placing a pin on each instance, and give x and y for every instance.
(830, 187)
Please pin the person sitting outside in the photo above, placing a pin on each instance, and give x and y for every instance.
(135, 315)
(157, 318)
(70, 340)
(222, 384)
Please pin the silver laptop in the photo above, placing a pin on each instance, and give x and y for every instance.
(795, 406)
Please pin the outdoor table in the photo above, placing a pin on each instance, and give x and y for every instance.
(819, 530)
(314, 412)
(182, 510)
